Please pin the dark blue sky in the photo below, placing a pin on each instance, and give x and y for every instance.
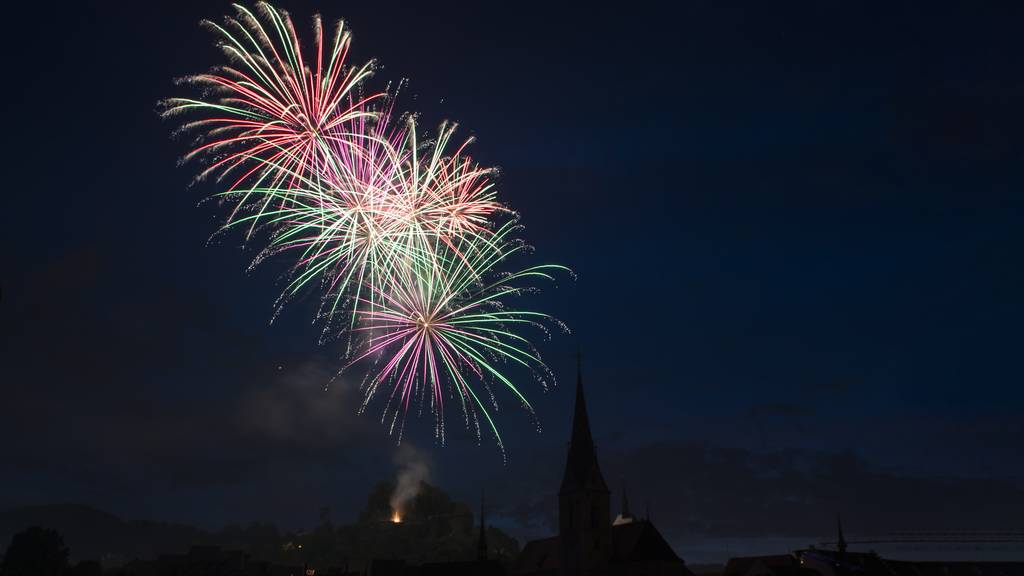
(796, 231)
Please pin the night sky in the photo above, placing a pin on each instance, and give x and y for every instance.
(796, 231)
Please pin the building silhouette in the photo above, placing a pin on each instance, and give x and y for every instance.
(588, 542)
(843, 562)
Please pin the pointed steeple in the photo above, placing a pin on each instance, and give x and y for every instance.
(624, 517)
(625, 502)
(581, 468)
(481, 545)
(841, 542)
(584, 501)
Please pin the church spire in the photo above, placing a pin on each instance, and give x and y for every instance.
(624, 517)
(841, 543)
(580, 421)
(481, 545)
(581, 468)
(584, 515)
(625, 502)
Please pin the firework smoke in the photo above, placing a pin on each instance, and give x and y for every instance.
(413, 470)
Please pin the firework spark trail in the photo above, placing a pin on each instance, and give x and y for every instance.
(401, 234)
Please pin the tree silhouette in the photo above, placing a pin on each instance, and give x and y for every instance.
(35, 551)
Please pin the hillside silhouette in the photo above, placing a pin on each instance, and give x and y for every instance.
(434, 528)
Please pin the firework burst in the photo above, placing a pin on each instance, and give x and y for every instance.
(443, 322)
(400, 236)
(384, 199)
(270, 115)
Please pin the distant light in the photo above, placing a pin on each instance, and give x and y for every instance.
(396, 517)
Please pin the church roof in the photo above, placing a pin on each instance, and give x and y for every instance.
(640, 541)
(581, 468)
(539, 557)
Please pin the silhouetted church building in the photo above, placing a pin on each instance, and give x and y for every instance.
(588, 542)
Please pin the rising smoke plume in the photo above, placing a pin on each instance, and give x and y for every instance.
(413, 469)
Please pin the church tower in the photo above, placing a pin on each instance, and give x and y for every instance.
(584, 516)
